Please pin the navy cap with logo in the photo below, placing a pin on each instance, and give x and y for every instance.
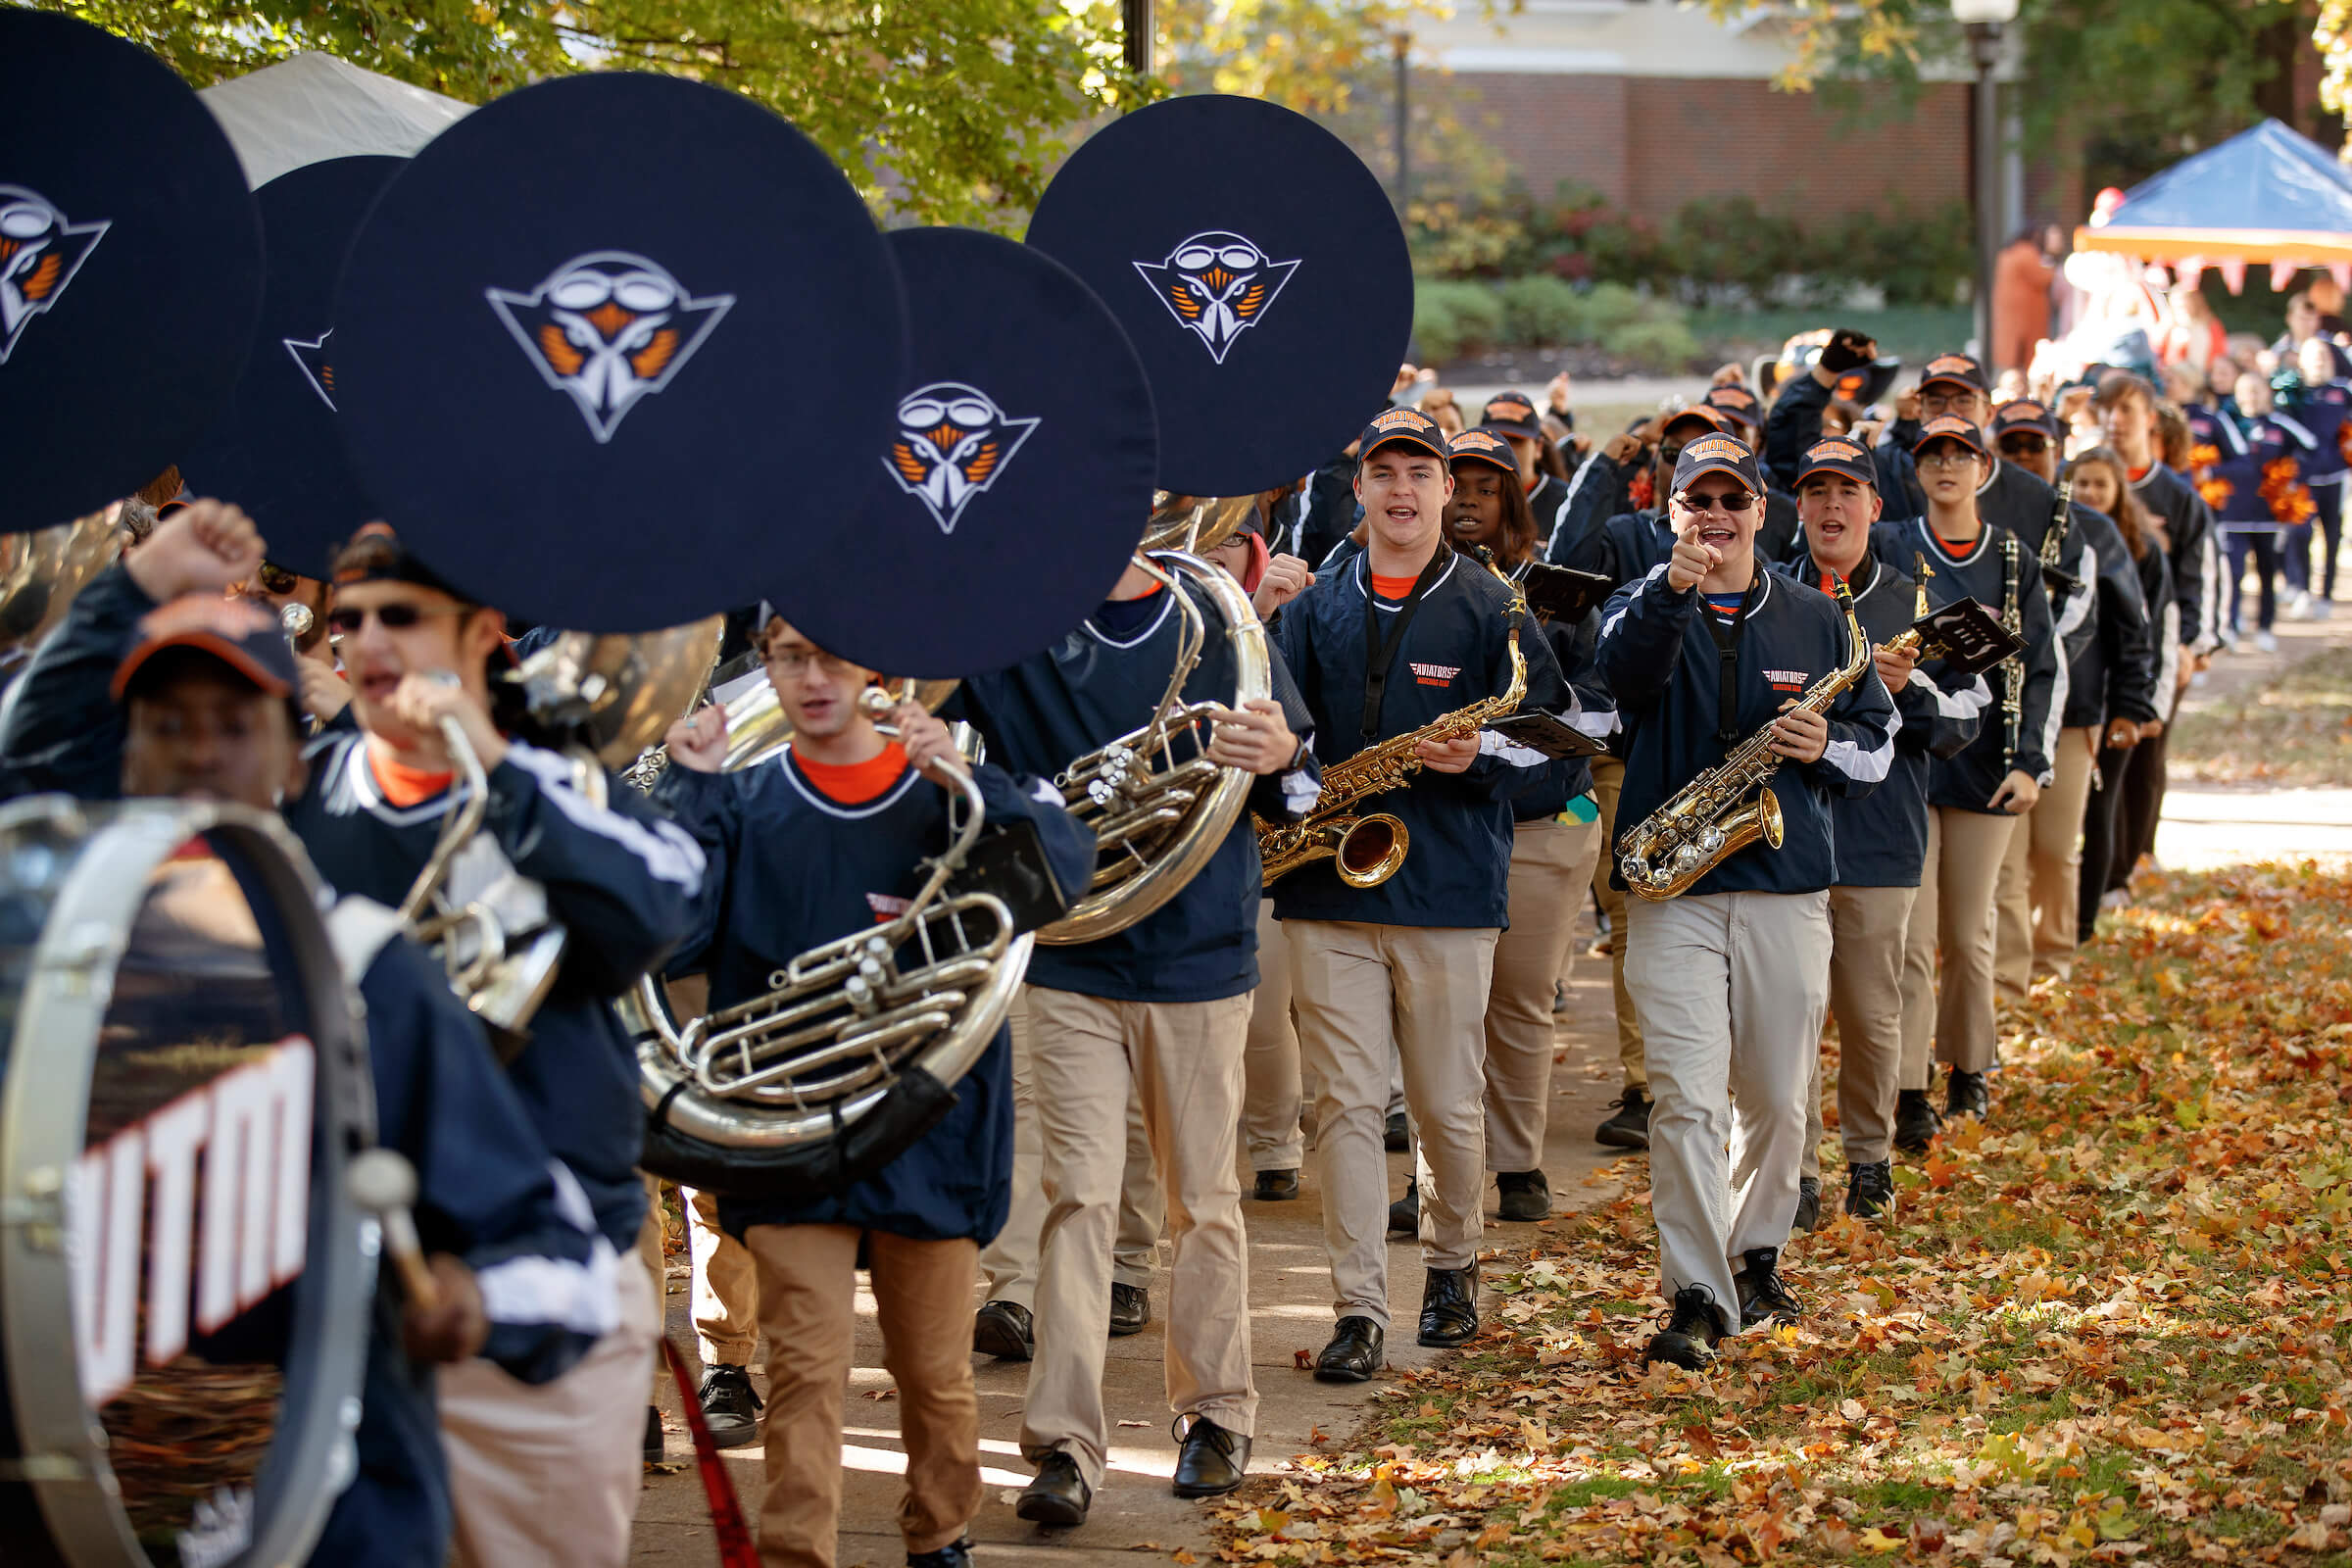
(577, 334)
(1734, 403)
(1513, 413)
(1952, 427)
(2024, 413)
(1697, 413)
(239, 633)
(1837, 454)
(1259, 269)
(1718, 452)
(276, 448)
(1402, 427)
(1958, 369)
(1009, 494)
(131, 267)
(1484, 444)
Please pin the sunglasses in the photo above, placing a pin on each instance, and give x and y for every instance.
(344, 620)
(1737, 501)
(276, 579)
(2025, 446)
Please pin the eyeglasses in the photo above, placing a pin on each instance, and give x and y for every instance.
(1931, 404)
(343, 621)
(793, 663)
(1737, 501)
(1946, 458)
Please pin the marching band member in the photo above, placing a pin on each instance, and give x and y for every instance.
(1732, 976)
(1555, 841)
(1743, 415)
(1975, 795)
(1882, 837)
(1159, 1011)
(2127, 410)
(823, 840)
(550, 1473)
(1402, 969)
(2262, 493)
(1514, 416)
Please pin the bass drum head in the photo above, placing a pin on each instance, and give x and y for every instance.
(185, 1286)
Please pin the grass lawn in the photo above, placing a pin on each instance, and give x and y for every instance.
(2295, 732)
(1915, 333)
(2114, 1325)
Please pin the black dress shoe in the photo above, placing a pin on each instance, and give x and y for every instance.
(1967, 1095)
(1404, 1214)
(653, 1434)
(1808, 1203)
(1916, 1123)
(1449, 1307)
(1357, 1350)
(1692, 1330)
(1130, 1309)
(1629, 1127)
(730, 1409)
(955, 1555)
(1210, 1461)
(1870, 1190)
(1057, 1495)
(1276, 1186)
(1003, 1329)
(1764, 1296)
(1526, 1195)
(1393, 1138)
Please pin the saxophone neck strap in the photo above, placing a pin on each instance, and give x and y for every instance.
(1727, 630)
(1380, 648)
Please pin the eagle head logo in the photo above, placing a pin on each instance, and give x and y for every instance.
(953, 442)
(39, 254)
(1218, 285)
(607, 329)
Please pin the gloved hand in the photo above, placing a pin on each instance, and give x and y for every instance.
(1848, 350)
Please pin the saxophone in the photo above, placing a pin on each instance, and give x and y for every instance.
(1728, 807)
(1367, 850)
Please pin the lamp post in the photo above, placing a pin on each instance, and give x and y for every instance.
(1402, 44)
(1136, 18)
(1985, 21)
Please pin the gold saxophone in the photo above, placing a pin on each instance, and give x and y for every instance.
(1728, 807)
(1368, 850)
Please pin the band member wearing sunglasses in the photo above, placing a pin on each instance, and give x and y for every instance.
(1732, 976)
(801, 852)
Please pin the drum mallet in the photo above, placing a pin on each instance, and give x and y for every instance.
(383, 1183)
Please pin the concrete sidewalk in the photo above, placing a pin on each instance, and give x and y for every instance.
(1290, 1289)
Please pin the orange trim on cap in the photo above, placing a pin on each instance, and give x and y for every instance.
(220, 648)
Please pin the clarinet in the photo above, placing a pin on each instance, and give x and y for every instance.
(2013, 673)
(2053, 542)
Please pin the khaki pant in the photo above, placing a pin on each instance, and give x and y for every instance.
(1732, 987)
(1184, 1060)
(2039, 894)
(549, 1473)
(727, 1290)
(1369, 996)
(1950, 1018)
(1010, 1262)
(1608, 782)
(807, 1284)
(1552, 864)
(1272, 1092)
(1867, 927)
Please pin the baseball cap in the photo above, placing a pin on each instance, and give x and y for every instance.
(1952, 427)
(1408, 427)
(238, 632)
(1960, 369)
(1699, 411)
(1718, 452)
(1735, 402)
(1481, 444)
(1836, 454)
(1512, 414)
(2023, 413)
(389, 562)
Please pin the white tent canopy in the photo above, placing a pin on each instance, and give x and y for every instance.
(313, 106)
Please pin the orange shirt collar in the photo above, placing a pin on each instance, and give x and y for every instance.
(398, 782)
(855, 783)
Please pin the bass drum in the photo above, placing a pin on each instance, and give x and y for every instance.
(185, 1286)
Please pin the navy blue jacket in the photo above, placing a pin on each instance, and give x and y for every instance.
(1454, 653)
(1601, 488)
(2272, 456)
(59, 728)
(1548, 789)
(1883, 836)
(2321, 411)
(790, 868)
(1969, 779)
(619, 877)
(1659, 655)
(2188, 530)
(1100, 681)
(2110, 645)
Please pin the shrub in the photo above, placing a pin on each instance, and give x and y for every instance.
(1664, 342)
(1453, 318)
(1540, 310)
(1609, 306)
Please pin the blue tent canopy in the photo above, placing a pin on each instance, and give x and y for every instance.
(2268, 194)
